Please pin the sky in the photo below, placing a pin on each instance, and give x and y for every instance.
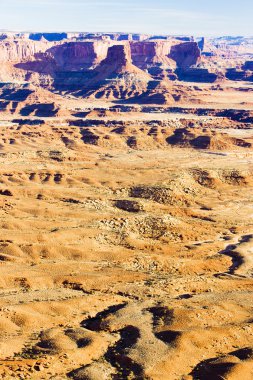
(188, 17)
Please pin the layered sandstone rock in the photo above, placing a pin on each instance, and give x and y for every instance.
(118, 59)
(99, 64)
(149, 53)
(185, 54)
(72, 55)
(116, 77)
(18, 50)
(239, 75)
(64, 66)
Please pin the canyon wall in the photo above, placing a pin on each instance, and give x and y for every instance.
(79, 54)
(18, 50)
(70, 60)
(185, 54)
(148, 53)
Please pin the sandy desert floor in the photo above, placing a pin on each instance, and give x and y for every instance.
(120, 262)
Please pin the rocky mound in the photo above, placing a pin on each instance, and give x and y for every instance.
(118, 61)
(158, 92)
(27, 100)
(180, 190)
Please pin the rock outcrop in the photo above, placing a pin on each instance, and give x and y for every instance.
(151, 53)
(79, 55)
(197, 74)
(158, 92)
(205, 139)
(116, 77)
(118, 60)
(19, 50)
(97, 64)
(69, 56)
(244, 73)
(185, 54)
(201, 44)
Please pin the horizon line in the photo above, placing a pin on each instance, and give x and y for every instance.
(125, 32)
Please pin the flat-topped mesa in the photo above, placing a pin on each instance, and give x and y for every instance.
(185, 54)
(77, 55)
(149, 53)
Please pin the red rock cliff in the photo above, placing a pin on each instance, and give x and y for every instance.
(20, 50)
(118, 64)
(118, 58)
(148, 53)
(79, 54)
(185, 54)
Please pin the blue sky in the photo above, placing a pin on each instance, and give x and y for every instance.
(197, 17)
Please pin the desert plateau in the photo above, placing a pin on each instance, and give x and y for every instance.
(126, 219)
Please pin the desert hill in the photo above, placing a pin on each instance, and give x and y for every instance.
(126, 179)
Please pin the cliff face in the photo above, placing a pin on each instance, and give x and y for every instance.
(118, 64)
(116, 77)
(63, 54)
(74, 55)
(142, 53)
(21, 49)
(79, 54)
(54, 65)
(185, 54)
(118, 58)
(78, 65)
(150, 53)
